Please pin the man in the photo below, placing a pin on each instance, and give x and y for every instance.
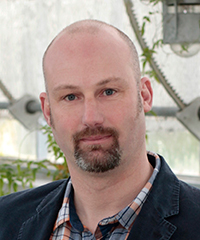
(95, 103)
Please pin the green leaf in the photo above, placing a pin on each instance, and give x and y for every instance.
(158, 43)
(29, 165)
(31, 185)
(19, 169)
(184, 47)
(1, 186)
(144, 64)
(9, 178)
(15, 187)
(143, 28)
(153, 113)
(147, 19)
(155, 2)
(34, 171)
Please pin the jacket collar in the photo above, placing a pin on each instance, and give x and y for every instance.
(162, 202)
(151, 223)
(40, 225)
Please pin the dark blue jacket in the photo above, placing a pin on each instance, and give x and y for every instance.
(171, 211)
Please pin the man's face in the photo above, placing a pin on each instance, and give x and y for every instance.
(94, 105)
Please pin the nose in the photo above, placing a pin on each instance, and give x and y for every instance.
(92, 114)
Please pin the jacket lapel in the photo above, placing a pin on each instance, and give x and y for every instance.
(151, 224)
(162, 202)
(40, 225)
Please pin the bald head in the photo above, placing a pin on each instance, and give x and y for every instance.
(93, 28)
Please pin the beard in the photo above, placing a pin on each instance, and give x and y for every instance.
(96, 158)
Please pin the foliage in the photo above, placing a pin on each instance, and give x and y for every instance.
(24, 172)
(62, 170)
(154, 2)
(19, 172)
(148, 52)
(147, 55)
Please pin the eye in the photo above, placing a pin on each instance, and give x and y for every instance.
(70, 97)
(109, 92)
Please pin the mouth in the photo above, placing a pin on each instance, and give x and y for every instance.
(97, 139)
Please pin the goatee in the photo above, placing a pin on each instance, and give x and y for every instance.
(97, 158)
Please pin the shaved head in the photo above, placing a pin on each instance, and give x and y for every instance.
(95, 27)
(95, 100)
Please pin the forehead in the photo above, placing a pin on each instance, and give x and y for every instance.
(76, 51)
(86, 38)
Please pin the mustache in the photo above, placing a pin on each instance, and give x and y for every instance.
(99, 130)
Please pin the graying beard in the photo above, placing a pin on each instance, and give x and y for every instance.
(98, 164)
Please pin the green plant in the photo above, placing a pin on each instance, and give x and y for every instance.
(19, 173)
(62, 170)
(148, 53)
(24, 172)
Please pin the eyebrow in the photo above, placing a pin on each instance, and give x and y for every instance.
(73, 87)
(64, 86)
(112, 79)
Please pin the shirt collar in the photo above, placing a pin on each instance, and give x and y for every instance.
(126, 217)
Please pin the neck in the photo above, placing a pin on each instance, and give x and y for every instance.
(98, 196)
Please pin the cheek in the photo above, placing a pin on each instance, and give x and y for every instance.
(63, 136)
(65, 125)
(131, 121)
(65, 118)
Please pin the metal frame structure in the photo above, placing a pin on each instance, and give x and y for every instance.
(188, 115)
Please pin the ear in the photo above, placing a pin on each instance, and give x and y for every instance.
(45, 107)
(146, 93)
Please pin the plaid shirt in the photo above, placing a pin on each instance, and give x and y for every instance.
(117, 227)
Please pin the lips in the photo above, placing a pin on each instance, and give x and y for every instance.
(95, 135)
(96, 138)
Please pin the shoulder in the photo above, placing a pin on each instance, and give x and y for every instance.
(189, 196)
(177, 202)
(38, 193)
(187, 219)
(23, 206)
(184, 194)
(29, 200)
